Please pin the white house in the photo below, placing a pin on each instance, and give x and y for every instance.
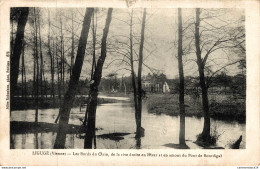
(166, 88)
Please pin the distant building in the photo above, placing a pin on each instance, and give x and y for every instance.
(166, 88)
(155, 84)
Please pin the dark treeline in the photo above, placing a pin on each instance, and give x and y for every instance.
(221, 83)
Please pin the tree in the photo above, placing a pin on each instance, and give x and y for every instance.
(73, 83)
(24, 86)
(205, 136)
(62, 55)
(36, 61)
(51, 57)
(181, 77)
(127, 50)
(139, 129)
(93, 67)
(17, 49)
(72, 42)
(93, 92)
(208, 39)
(132, 68)
(94, 32)
(41, 57)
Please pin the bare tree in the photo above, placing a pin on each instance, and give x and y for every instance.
(128, 51)
(17, 49)
(93, 67)
(93, 93)
(139, 129)
(24, 86)
(51, 54)
(37, 66)
(62, 55)
(181, 77)
(72, 42)
(216, 38)
(132, 65)
(73, 83)
(94, 32)
(41, 56)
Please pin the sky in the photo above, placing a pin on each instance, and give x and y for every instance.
(160, 48)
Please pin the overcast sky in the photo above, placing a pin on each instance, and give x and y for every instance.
(160, 34)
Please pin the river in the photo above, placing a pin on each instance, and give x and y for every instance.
(160, 130)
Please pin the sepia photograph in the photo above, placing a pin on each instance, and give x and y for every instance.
(127, 78)
(129, 83)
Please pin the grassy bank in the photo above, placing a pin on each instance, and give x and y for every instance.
(115, 94)
(224, 109)
(21, 127)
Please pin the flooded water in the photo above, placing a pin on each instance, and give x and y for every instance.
(119, 118)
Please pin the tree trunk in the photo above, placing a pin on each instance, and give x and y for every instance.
(63, 67)
(139, 129)
(58, 87)
(58, 71)
(62, 58)
(62, 63)
(72, 44)
(93, 64)
(73, 83)
(34, 71)
(51, 57)
(181, 77)
(125, 88)
(37, 67)
(94, 46)
(90, 132)
(41, 60)
(25, 85)
(94, 27)
(17, 49)
(12, 37)
(23, 72)
(53, 73)
(205, 136)
(132, 66)
(45, 86)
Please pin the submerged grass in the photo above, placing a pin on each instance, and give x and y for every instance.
(169, 104)
(214, 135)
(219, 109)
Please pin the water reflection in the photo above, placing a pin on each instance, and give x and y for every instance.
(23, 141)
(36, 140)
(160, 130)
(138, 143)
(12, 141)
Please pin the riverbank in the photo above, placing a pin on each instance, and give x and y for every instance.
(226, 109)
(22, 127)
